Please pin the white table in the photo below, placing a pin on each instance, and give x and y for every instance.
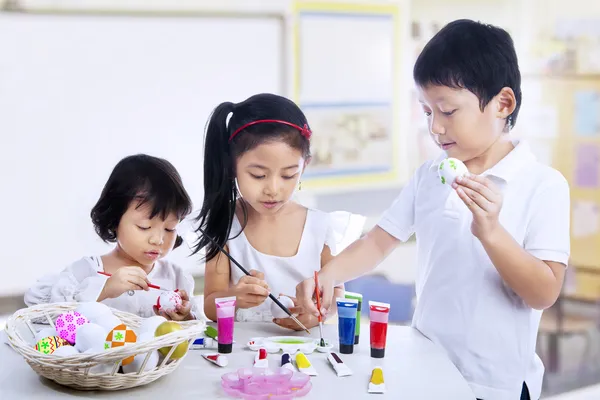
(414, 368)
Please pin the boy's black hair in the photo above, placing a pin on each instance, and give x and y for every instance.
(474, 56)
(221, 153)
(146, 179)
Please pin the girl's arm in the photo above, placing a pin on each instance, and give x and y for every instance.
(250, 291)
(216, 284)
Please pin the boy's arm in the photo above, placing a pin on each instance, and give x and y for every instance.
(537, 282)
(535, 271)
(358, 258)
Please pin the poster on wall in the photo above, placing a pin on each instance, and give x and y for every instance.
(346, 64)
(587, 166)
(587, 113)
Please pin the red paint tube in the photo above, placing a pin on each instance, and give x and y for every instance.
(378, 314)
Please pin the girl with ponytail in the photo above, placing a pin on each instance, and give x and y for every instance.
(254, 156)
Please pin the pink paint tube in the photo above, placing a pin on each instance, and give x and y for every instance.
(225, 317)
(378, 314)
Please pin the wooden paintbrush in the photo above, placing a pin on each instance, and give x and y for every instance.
(233, 260)
(317, 291)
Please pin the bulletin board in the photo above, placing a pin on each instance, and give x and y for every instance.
(346, 82)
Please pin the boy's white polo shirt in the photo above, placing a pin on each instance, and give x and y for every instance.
(462, 303)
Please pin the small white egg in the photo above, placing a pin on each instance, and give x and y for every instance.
(278, 312)
(90, 336)
(150, 324)
(138, 360)
(44, 333)
(108, 322)
(450, 169)
(93, 310)
(102, 369)
(65, 351)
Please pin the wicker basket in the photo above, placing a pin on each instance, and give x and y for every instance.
(74, 371)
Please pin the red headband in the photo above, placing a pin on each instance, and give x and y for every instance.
(304, 131)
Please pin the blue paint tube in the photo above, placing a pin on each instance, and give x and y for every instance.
(347, 309)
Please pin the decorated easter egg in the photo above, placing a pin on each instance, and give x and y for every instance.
(50, 344)
(168, 327)
(67, 324)
(121, 335)
(450, 169)
(278, 312)
(168, 301)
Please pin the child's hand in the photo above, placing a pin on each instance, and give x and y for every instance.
(251, 291)
(183, 311)
(307, 319)
(123, 280)
(485, 202)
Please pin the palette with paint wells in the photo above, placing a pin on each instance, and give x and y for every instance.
(261, 383)
(288, 344)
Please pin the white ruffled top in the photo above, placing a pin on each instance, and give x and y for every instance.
(335, 230)
(81, 282)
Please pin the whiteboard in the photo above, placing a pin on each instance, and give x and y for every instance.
(78, 93)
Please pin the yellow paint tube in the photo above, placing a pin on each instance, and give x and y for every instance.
(304, 365)
(377, 385)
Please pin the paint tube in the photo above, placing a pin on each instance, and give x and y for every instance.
(304, 365)
(203, 343)
(286, 362)
(338, 365)
(260, 360)
(216, 358)
(376, 384)
(225, 318)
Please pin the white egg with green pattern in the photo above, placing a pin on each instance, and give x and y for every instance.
(450, 169)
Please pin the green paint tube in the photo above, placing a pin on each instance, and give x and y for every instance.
(359, 297)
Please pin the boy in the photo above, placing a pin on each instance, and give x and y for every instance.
(492, 247)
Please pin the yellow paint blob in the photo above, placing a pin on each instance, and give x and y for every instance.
(302, 361)
(377, 376)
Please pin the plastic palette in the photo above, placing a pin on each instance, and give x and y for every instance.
(288, 344)
(263, 384)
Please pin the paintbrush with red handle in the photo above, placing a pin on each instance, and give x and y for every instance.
(149, 285)
(317, 291)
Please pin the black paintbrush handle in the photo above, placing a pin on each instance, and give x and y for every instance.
(233, 260)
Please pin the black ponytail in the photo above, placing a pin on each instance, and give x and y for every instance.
(220, 194)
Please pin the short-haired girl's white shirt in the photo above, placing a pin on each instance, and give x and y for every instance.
(81, 282)
(335, 230)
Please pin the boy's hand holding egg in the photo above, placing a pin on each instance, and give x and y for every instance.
(123, 280)
(251, 291)
(479, 194)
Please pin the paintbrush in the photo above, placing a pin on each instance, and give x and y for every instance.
(322, 343)
(149, 285)
(233, 260)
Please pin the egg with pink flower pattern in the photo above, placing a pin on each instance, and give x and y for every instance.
(67, 324)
